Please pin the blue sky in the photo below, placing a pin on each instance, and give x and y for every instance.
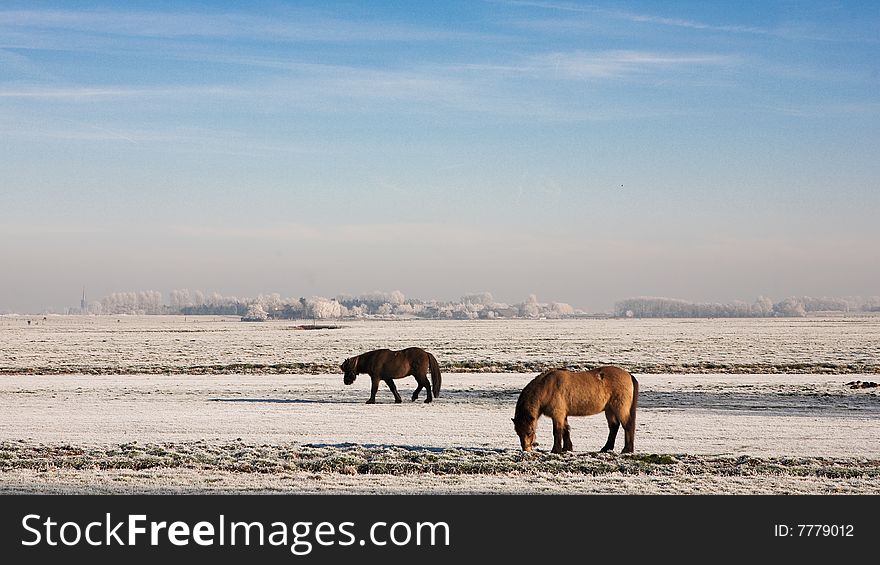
(584, 152)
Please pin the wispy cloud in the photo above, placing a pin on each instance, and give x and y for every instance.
(509, 85)
(632, 16)
(300, 80)
(286, 25)
(183, 139)
(685, 23)
(514, 89)
(11, 62)
(609, 64)
(821, 111)
(76, 93)
(790, 30)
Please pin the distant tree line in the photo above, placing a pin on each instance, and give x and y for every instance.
(481, 306)
(370, 305)
(762, 307)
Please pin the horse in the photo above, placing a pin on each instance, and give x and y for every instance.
(559, 393)
(386, 365)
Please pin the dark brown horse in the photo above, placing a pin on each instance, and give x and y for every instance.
(559, 394)
(386, 365)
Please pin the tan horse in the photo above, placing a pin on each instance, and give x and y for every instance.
(386, 365)
(559, 394)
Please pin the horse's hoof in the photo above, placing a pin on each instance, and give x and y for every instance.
(397, 401)
(428, 400)
(371, 401)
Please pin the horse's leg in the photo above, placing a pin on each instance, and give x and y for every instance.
(393, 387)
(558, 433)
(629, 434)
(416, 392)
(373, 388)
(566, 437)
(423, 382)
(613, 426)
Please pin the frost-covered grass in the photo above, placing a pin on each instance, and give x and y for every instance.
(217, 345)
(207, 466)
(240, 457)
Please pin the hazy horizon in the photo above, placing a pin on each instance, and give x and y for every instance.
(581, 152)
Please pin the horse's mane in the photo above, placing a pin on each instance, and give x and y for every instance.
(527, 396)
(363, 362)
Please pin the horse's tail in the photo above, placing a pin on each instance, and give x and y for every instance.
(435, 374)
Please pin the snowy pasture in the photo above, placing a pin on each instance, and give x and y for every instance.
(167, 404)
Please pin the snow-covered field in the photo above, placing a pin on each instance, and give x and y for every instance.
(202, 344)
(162, 404)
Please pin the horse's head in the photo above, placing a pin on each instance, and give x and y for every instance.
(349, 370)
(524, 425)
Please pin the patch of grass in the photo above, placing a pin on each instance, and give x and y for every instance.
(324, 461)
(655, 459)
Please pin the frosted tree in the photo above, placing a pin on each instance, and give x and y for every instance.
(149, 302)
(403, 310)
(484, 298)
(791, 306)
(256, 312)
(119, 303)
(357, 311)
(179, 298)
(560, 309)
(385, 309)
(396, 298)
(270, 302)
(328, 309)
(322, 308)
(530, 308)
(377, 298)
(763, 306)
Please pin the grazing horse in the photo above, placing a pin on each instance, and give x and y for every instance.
(558, 393)
(386, 365)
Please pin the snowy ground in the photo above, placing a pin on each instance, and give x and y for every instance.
(221, 345)
(196, 404)
(310, 433)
